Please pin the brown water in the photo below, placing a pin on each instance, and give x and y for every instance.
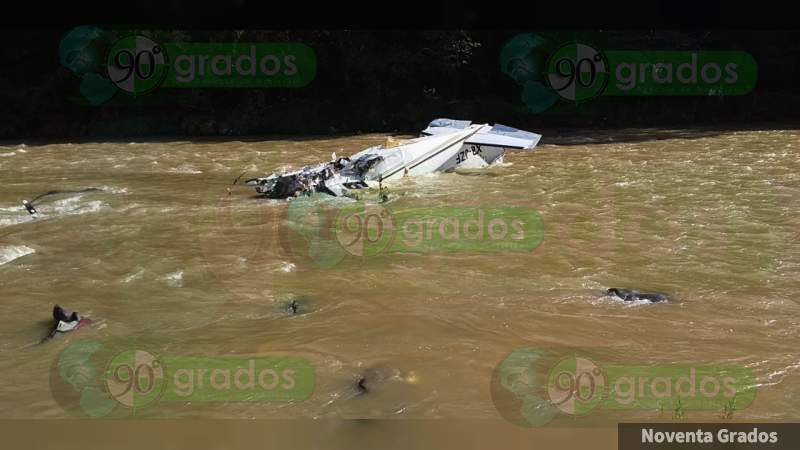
(164, 253)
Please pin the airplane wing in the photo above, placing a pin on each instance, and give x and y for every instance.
(503, 136)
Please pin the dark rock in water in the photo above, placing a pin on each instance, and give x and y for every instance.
(632, 295)
(65, 321)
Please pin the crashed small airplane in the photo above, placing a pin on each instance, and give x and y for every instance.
(445, 145)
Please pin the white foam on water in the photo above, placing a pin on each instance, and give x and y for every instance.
(134, 276)
(71, 206)
(174, 279)
(8, 154)
(13, 215)
(114, 190)
(9, 253)
(130, 206)
(629, 304)
(219, 167)
(16, 214)
(185, 168)
(287, 267)
(15, 208)
(14, 220)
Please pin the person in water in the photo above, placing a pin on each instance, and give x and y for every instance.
(631, 295)
(29, 207)
(66, 321)
(373, 377)
(32, 210)
(383, 194)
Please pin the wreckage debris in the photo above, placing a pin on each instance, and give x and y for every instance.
(444, 146)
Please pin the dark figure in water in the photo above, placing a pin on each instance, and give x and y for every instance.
(630, 295)
(372, 378)
(29, 207)
(361, 387)
(296, 306)
(65, 321)
(32, 210)
(382, 193)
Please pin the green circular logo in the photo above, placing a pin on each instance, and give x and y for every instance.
(524, 59)
(92, 379)
(577, 72)
(135, 378)
(82, 51)
(74, 380)
(137, 64)
(329, 231)
(518, 388)
(311, 231)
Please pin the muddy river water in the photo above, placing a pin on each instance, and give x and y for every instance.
(167, 253)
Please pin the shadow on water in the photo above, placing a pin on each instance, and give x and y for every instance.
(161, 139)
(584, 136)
(552, 136)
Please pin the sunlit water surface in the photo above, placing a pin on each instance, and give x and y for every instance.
(163, 252)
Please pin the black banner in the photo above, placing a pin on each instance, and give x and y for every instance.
(708, 436)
